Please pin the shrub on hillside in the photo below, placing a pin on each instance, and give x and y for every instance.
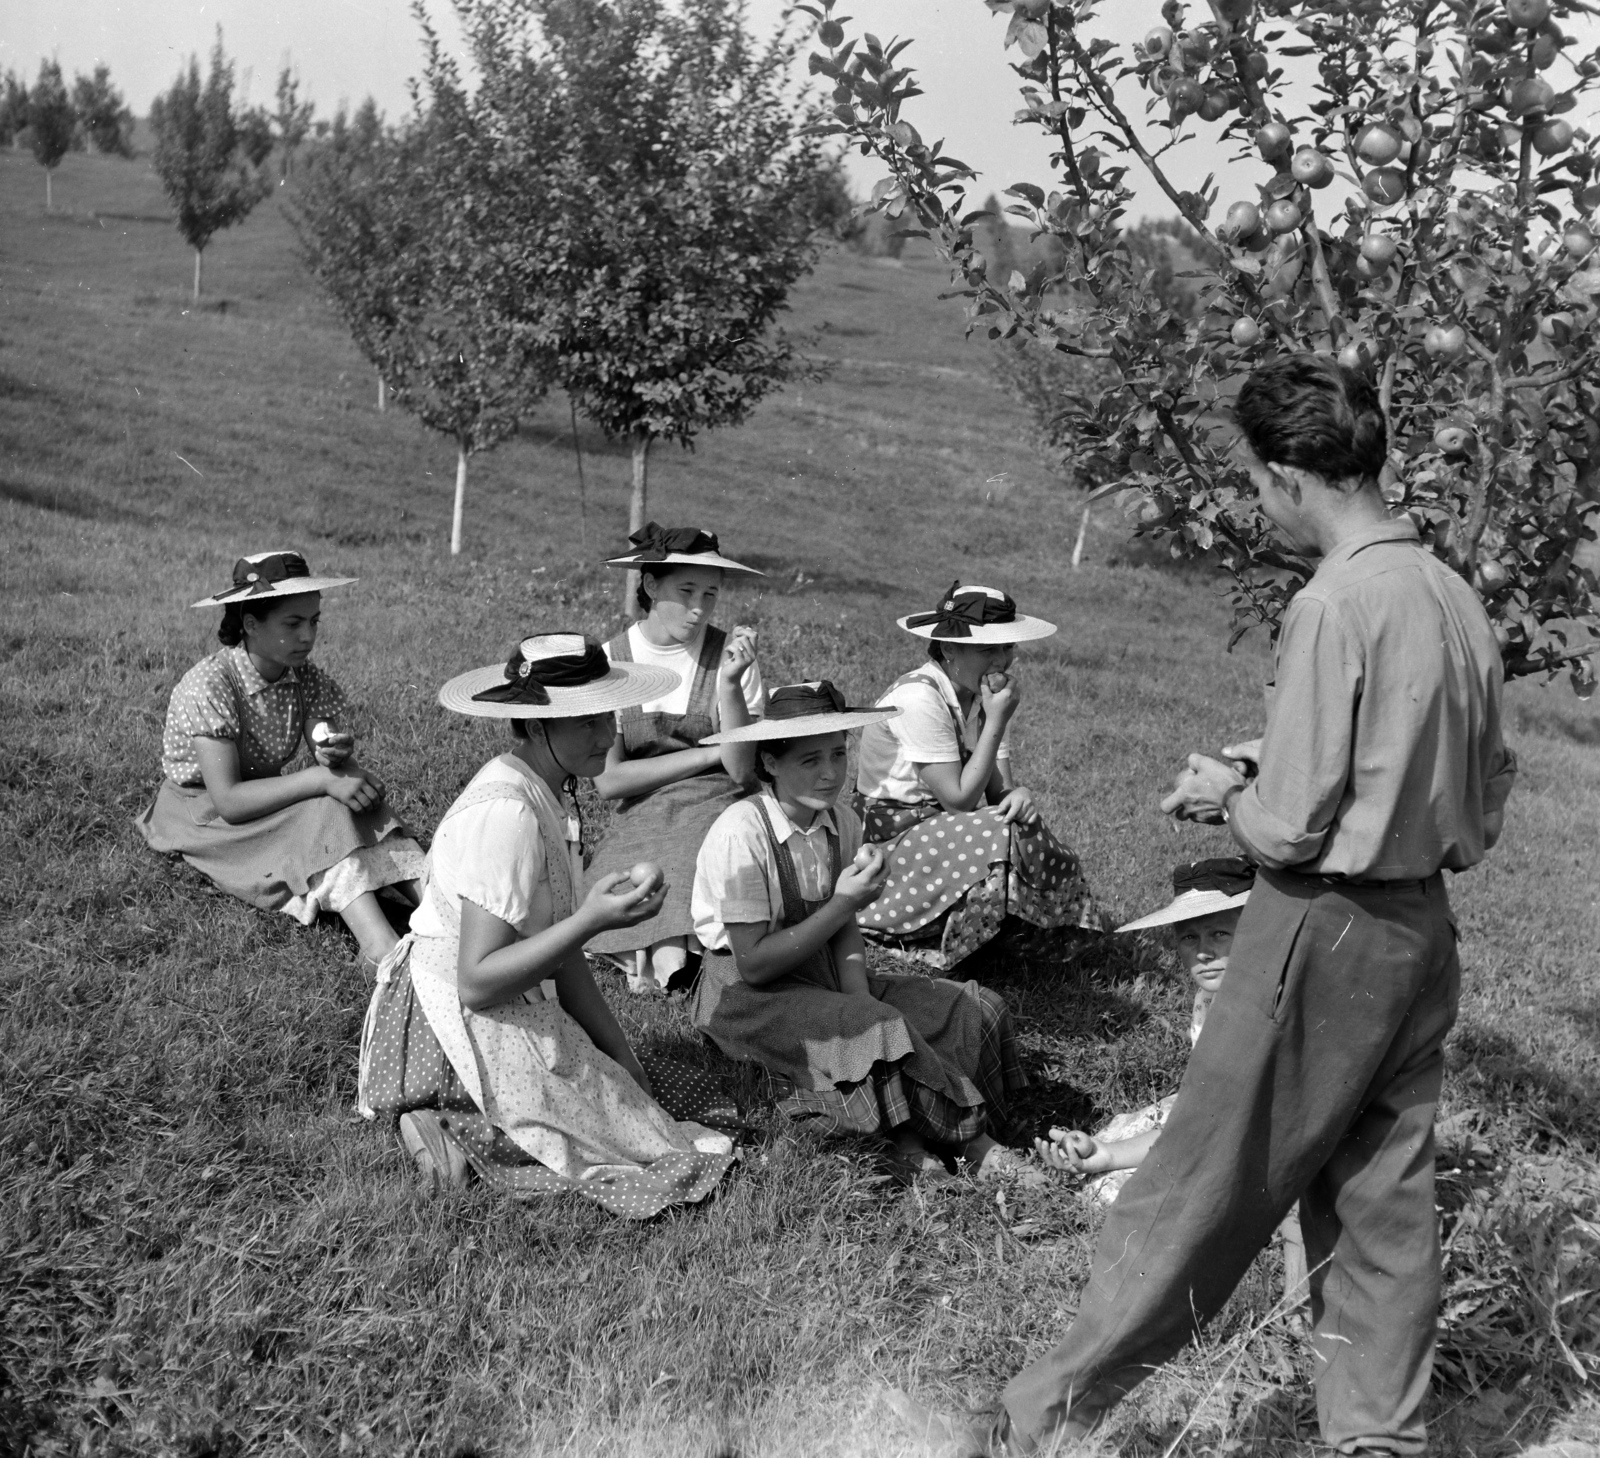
(50, 123)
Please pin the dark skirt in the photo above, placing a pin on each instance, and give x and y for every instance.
(666, 826)
(940, 1055)
(269, 861)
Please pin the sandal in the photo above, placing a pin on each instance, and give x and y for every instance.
(438, 1158)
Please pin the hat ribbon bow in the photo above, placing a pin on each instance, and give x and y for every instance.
(960, 612)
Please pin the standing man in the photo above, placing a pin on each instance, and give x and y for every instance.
(1317, 1073)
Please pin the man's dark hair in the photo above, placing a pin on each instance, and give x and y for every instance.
(1308, 410)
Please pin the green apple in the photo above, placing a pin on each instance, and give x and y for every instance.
(1241, 220)
(1453, 440)
(1272, 140)
(1531, 96)
(1445, 342)
(1245, 332)
(1379, 249)
(1553, 138)
(1311, 167)
(1158, 42)
(1283, 216)
(1378, 144)
(1529, 14)
(1384, 185)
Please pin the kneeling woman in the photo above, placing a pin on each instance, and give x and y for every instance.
(934, 788)
(785, 983)
(320, 839)
(486, 1034)
(667, 783)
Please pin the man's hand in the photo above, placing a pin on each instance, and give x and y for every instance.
(1200, 792)
(1245, 757)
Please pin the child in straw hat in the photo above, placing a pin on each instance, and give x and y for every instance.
(486, 1035)
(967, 846)
(318, 839)
(1207, 897)
(667, 784)
(780, 881)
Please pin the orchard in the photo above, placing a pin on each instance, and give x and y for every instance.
(1456, 266)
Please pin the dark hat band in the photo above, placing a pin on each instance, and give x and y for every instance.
(251, 578)
(960, 612)
(804, 701)
(1231, 875)
(529, 681)
(657, 543)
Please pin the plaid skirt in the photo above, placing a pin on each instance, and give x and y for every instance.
(955, 876)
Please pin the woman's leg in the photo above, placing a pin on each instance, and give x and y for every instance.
(370, 927)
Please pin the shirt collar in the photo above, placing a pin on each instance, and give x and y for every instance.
(250, 675)
(1401, 528)
(783, 827)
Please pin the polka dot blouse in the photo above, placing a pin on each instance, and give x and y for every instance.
(224, 697)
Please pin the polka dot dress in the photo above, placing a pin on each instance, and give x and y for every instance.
(972, 870)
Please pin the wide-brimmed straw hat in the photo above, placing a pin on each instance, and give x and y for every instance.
(660, 546)
(555, 676)
(799, 710)
(271, 574)
(1202, 888)
(976, 615)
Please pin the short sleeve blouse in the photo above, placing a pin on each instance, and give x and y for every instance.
(491, 854)
(224, 696)
(736, 873)
(923, 732)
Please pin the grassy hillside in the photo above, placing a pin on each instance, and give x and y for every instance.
(204, 1251)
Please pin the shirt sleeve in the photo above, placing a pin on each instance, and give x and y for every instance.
(732, 875)
(924, 728)
(493, 857)
(1284, 817)
(203, 704)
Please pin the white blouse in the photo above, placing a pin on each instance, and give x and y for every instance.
(493, 855)
(736, 875)
(923, 732)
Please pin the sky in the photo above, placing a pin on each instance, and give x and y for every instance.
(344, 50)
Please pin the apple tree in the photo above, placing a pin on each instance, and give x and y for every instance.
(51, 121)
(1423, 206)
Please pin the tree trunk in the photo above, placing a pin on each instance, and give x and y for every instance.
(383, 395)
(198, 255)
(49, 197)
(636, 512)
(1077, 547)
(461, 498)
(583, 490)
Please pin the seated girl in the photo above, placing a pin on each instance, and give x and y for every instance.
(780, 880)
(320, 839)
(1204, 910)
(934, 788)
(486, 1034)
(667, 784)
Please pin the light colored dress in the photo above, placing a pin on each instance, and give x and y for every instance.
(313, 856)
(532, 1102)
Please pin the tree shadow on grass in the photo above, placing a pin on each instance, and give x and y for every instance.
(65, 501)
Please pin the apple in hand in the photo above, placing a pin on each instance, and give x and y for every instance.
(646, 875)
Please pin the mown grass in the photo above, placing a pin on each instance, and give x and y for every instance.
(203, 1251)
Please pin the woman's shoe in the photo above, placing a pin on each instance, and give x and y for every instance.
(438, 1158)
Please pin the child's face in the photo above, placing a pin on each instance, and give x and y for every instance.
(1203, 946)
(682, 600)
(811, 771)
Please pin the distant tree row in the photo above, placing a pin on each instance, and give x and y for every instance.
(618, 208)
(54, 121)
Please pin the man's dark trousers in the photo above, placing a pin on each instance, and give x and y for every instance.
(1315, 1079)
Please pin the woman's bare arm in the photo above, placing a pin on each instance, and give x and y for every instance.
(240, 801)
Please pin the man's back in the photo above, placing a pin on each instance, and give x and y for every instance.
(1383, 758)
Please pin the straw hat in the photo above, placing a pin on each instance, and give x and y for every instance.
(799, 710)
(678, 547)
(555, 676)
(976, 615)
(270, 574)
(1202, 888)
